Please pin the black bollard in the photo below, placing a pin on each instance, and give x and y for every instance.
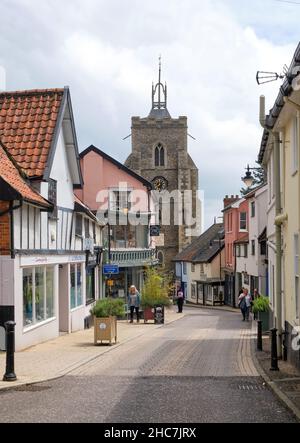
(10, 352)
(274, 355)
(259, 336)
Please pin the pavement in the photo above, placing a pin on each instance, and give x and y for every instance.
(58, 357)
(199, 369)
(285, 383)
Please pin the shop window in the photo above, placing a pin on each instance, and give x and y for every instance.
(90, 285)
(76, 285)
(38, 295)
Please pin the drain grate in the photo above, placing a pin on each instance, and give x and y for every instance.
(249, 387)
(252, 388)
(33, 388)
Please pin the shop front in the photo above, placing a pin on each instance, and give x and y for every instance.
(117, 285)
(53, 297)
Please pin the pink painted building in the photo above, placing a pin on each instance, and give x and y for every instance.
(236, 222)
(123, 203)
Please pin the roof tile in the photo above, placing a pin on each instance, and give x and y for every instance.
(10, 173)
(27, 123)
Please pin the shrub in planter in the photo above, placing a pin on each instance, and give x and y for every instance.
(261, 304)
(109, 307)
(155, 293)
(105, 314)
(261, 307)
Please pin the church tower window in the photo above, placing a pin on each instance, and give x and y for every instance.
(159, 156)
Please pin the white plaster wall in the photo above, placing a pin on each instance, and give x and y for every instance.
(7, 283)
(61, 173)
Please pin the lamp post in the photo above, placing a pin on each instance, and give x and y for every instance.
(249, 179)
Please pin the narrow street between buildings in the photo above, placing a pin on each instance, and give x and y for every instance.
(198, 369)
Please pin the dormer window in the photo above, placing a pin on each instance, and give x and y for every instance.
(159, 155)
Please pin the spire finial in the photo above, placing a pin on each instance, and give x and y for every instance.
(159, 95)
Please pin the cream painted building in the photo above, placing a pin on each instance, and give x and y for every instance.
(284, 124)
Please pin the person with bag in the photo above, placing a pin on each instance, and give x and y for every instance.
(245, 301)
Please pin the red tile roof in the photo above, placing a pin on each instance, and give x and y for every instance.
(10, 173)
(27, 125)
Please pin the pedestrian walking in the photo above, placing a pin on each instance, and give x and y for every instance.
(245, 302)
(180, 300)
(134, 302)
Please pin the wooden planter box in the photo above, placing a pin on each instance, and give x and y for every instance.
(148, 314)
(105, 329)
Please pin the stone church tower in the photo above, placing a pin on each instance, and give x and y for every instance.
(160, 154)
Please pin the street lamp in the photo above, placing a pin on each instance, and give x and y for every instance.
(249, 179)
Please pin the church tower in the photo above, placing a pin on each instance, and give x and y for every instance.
(160, 154)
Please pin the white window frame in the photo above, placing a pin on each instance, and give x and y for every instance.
(240, 222)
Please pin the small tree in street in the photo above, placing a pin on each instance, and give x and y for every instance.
(156, 289)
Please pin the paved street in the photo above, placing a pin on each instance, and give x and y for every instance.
(198, 369)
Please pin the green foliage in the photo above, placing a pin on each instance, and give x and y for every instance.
(261, 304)
(109, 307)
(156, 289)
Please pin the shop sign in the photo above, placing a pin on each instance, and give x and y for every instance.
(111, 269)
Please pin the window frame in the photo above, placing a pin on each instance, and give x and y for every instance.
(243, 221)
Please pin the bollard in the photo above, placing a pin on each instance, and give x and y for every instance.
(274, 355)
(10, 352)
(259, 336)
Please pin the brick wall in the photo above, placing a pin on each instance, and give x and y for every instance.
(4, 230)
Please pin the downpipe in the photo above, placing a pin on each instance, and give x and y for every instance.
(279, 218)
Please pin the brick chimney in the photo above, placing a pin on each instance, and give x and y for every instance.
(230, 200)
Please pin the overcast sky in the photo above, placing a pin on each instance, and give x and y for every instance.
(107, 52)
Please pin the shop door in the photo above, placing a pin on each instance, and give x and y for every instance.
(63, 299)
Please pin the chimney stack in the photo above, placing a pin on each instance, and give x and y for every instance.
(230, 200)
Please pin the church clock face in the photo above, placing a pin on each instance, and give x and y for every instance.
(160, 184)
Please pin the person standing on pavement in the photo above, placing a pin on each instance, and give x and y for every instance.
(134, 302)
(245, 301)
(180, 300)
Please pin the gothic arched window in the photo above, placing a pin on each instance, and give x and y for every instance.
(159, 155)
